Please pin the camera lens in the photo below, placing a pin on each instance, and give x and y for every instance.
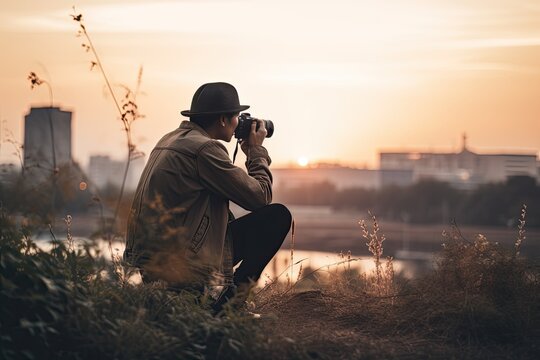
(269, 125)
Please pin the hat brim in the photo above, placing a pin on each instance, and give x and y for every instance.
(190, 113)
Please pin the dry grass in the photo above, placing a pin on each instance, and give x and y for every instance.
(480, 302)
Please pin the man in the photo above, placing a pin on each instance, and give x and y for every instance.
(180, 229)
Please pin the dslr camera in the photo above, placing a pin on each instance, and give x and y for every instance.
(244, 126)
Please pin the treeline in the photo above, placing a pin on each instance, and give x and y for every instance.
(67, 191)
(38, 196)
(429, 201)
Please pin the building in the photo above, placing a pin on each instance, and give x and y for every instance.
(463, 170)
(104, 171)
(339, 176)
(47, 140)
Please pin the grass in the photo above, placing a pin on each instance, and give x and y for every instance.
(481, 301)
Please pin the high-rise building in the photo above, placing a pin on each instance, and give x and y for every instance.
(47, 140)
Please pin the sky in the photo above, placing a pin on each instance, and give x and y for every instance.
(341, 80)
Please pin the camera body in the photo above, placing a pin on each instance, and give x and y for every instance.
(244, 126)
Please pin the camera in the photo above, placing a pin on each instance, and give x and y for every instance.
(244, 126)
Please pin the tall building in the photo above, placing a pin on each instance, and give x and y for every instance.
(104, 171)
(464, 169)
(47, 140)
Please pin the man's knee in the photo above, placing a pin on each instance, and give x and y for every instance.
(281, 215)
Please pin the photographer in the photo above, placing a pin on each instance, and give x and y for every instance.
(180, 229)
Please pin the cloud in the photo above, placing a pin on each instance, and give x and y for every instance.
(494, 42)
(118, 17)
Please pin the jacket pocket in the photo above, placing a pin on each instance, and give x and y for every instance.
(200, 234)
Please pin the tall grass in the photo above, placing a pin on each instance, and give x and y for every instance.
(384, 275)
(127, 107)
(481, 300)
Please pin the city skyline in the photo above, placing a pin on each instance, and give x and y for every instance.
(341, 82)
(40, 121)
(298, 163)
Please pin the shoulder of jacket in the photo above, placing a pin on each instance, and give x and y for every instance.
(212, 145)
(191, 143)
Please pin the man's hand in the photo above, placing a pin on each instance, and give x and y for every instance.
(256, 137)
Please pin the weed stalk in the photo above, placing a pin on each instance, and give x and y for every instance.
(128, 111)
(521, 230)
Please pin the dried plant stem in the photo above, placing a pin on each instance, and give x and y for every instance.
(384, 278)
(126, 125)
(281, 274)
(521, 230)
(123, 115)
(100, 66)
(10, 138)
(292, 247)
(69, 238)
(55, 169)
(336, 264)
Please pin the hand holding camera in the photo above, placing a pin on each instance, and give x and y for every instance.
(245, 122)
(252, 131)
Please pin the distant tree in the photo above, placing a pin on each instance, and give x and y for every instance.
(320, 193)
(21, 194)
(429, 201)
(500, 203)
(354, 198)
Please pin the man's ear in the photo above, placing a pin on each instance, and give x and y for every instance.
(222, 120)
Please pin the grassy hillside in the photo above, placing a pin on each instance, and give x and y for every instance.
(481, 301)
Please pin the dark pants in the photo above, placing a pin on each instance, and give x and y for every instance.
(257, 237)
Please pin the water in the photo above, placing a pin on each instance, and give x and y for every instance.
(279, 269)
(321, 234)
(326, 262)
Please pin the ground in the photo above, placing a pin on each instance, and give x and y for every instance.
(322, 322)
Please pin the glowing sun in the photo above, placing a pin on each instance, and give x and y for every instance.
(302, 161)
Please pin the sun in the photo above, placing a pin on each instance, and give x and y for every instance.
(303, 161)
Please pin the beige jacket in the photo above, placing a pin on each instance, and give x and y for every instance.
(178, 221)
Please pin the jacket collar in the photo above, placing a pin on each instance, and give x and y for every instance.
(190, 125)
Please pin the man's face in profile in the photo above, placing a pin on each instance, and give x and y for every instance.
(230, 126)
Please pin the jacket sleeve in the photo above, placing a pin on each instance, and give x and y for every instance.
(250, 190)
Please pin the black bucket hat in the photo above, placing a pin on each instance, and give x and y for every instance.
(215, 98)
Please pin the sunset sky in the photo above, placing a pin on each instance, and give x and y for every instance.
(340, 79)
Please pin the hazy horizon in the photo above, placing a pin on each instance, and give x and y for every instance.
(341, 80)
